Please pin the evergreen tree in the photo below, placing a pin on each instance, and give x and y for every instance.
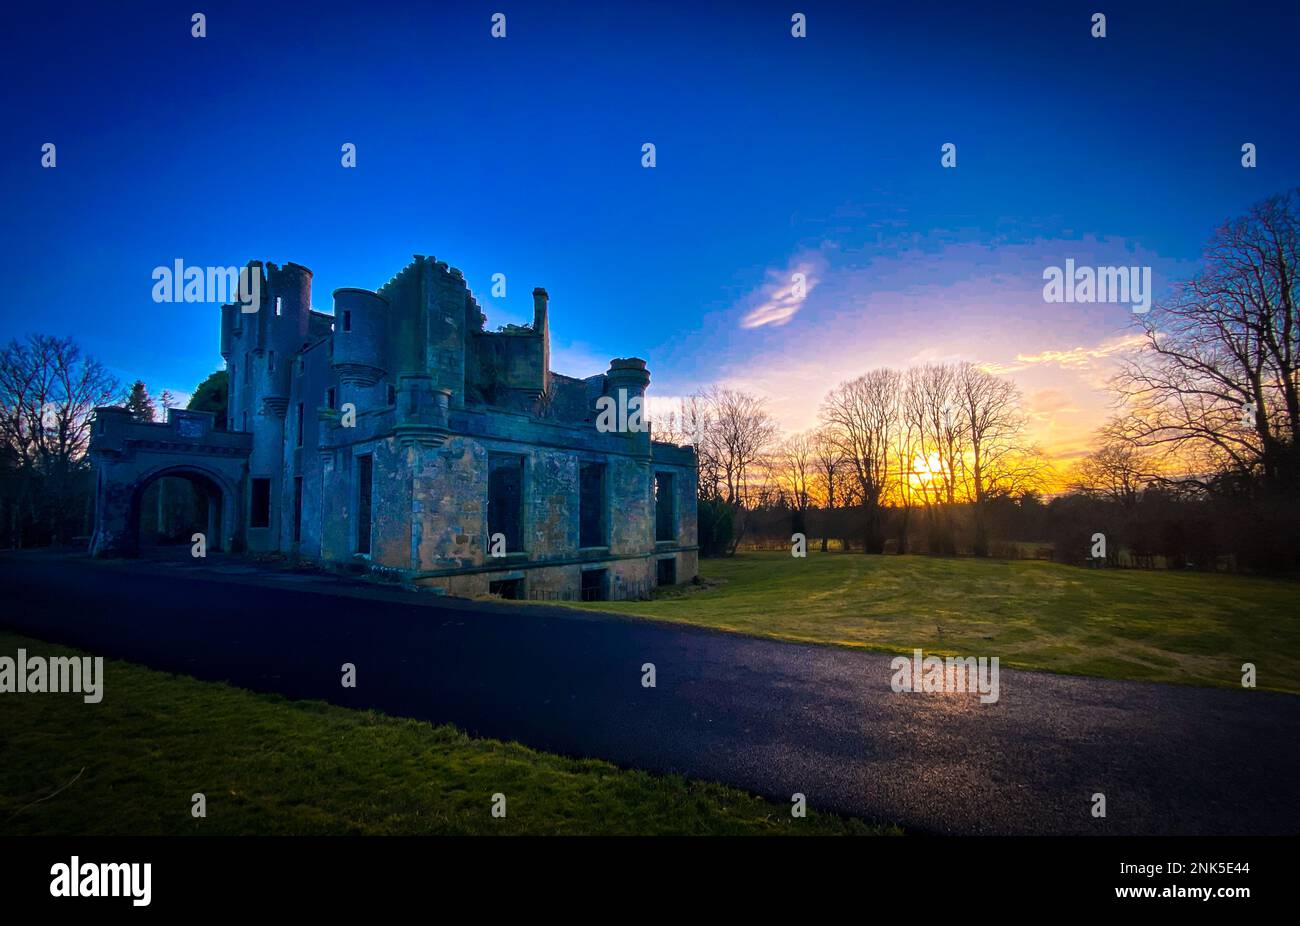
(139, 403)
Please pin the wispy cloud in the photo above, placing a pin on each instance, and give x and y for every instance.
(784, 292)
(1075, 358)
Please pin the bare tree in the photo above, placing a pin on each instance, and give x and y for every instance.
(48, 393)
(762, 486)
(794, 467)
(166, 401)
(928, 407)
(739, 433)
(994, 460)
(828, 465)
(862, 414)
(1216, 383)
(1115, 470)
(828, 477)
(690, 422)
(908, 448)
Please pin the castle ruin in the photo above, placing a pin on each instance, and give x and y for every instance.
(399, 434)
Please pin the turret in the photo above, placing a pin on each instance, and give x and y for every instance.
(360, 341)
(360, 336)
(288, 306)
(625, 382)
(282, 324)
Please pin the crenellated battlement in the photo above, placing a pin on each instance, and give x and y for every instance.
(397, 431)
(423, 322)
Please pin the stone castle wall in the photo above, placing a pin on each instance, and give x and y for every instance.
(409, 377)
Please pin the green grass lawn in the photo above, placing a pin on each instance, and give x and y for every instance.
(268, 765)
(1159, 626)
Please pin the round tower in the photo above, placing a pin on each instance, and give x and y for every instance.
(290, 303)
(626, 383)
(360, 340)
(285, 316)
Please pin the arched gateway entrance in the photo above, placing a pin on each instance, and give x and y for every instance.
(131, 456)
(171, 505)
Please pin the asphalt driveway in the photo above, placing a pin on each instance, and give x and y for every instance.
(774, 718)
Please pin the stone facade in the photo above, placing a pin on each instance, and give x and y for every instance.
(399, 433)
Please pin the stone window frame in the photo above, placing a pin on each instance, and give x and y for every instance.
(525, 499)
(606, 501)
(355, 490)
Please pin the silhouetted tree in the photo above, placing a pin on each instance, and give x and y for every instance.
(48, 392)
(139, 403)
(863, 414)
(212, 395)
(1216, 383)
(1116, 470)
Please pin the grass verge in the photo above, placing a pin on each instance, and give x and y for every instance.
(1195, 628)
(267, 765)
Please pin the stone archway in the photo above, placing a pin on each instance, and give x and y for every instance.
(131, 455)
(208, 487)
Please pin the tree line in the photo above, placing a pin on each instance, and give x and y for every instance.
(903, 450)
(1198, 468)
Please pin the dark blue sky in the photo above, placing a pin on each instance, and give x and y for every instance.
(522, 156)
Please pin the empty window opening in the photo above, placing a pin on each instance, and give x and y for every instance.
(665, 520)
(329, 397)
(297, 508)
(593, 584)
(259, 509)
(591, 505)
(300, 424)
(667, 571)
(506, 498)
(510, 589)
(347, 320)
(365, 483)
